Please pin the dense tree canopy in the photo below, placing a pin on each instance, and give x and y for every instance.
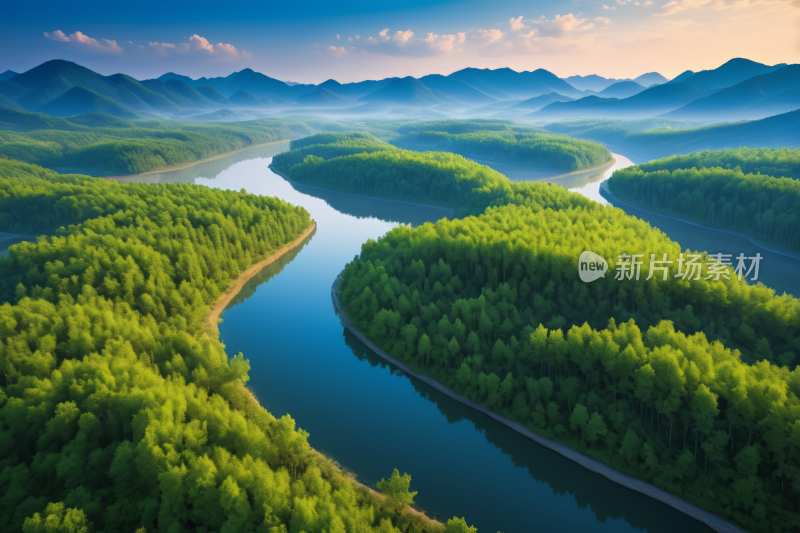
(640, 374)
(713, 188)
(442, 178)
(143, 147)
(116, 409)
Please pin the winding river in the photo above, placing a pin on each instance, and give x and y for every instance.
(370, 417)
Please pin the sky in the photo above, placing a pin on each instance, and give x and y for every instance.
(312, 41)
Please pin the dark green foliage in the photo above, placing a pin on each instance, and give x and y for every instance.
(128, 150)
(82, 100)
(116, 409)
(723, 192)
(438, 177)
(492, 307)
(532, 149)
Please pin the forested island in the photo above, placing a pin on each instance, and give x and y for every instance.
(690, 385)
(118, 412)
(114, 145)
(360, 163)
(753, 191)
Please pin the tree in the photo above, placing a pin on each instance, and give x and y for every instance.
(579, 418)
(459, 525)
(396, 487)
(595, 428)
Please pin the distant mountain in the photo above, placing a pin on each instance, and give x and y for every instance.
(245, 99)
(406, 91)
(650, 102)
(213, 94)
(8, 103)
(7, 74)
(246, 80)
(80, 100)
(456, 89)
(622, 89)
(51, 79)
(592, 82)
(356, 90)
(507, 84)
(271, 100)
(733, 103)
(100, 120)
(13, 120)
(774, 105)
(683, 76)
(321, 97)
(180, 93)
(538, 102)
(733, 72)
(290, 83)
(651, 78)
(221, 114)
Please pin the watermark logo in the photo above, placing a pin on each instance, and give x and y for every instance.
(591, 266)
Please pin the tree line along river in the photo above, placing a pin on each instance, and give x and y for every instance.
(370, 417)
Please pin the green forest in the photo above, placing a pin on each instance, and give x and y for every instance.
(729, 189)
(117, 411)
(358, 162)
(112, 145)
(690, 385)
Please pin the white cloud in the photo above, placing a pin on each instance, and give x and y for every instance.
(246, 54)
(561, 25)
(645, 3)
(402, 36)
(196, 43)
(78, 37)
(604, 20)
(607, 7)
(337, 36)
(358, 37)
(489, 36)
(349, 38)
(338, 51)
(677, 6)
(622, 2)
(384, 32)
(516, 23)
(444, 43)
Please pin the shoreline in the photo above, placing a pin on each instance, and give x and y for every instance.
(604, 167)
(211, 321)
(780, 251)
(284, 176)
(187, 165)
(711, 520)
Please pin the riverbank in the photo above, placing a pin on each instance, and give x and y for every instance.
(604, 189)
(188, 165)
(709, 519)
(211, 322)
(287, 178)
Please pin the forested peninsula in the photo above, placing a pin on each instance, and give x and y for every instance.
(360, 163)
(690, 385)
(116, 146)
(752, 191)
(117, 411)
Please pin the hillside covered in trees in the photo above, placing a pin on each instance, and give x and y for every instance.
(360, 163)
(113, 145)
(672, 381)
(117, 411)
(732, 189)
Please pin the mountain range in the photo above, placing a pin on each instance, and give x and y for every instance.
(739, 88)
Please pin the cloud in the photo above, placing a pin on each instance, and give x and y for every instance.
(246, 54)
(516, 23)
(604, 20)
(199, 44)
(358, 37)
(402, 36)
(338, 51)
(607, 7)
(645, 3)
(561, 25)
(349, 38)
(489, 36)
(676, 6)
(444, 43)
(384, 32)
(622, 2)
(78, 37)
(337, 36)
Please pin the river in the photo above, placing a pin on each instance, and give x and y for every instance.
(368, 415)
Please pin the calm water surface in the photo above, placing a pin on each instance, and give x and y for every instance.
(368, 415)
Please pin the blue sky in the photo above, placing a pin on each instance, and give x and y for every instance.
(350, 41)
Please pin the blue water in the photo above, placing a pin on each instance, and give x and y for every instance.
(368, 415)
